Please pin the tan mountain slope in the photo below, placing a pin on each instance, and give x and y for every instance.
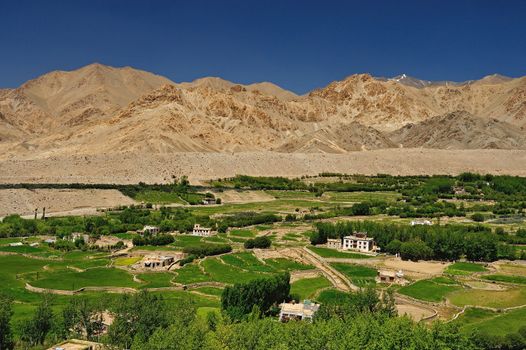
(338, 139)
(460, 130)
(100, 109)
(59, 100)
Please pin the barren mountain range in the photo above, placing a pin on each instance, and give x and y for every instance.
(100, 110)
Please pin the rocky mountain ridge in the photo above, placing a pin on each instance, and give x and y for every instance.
(99, 109)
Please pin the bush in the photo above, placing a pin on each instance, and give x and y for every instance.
(204, 249)
(478, 217)
(258, 242)
(153, 240)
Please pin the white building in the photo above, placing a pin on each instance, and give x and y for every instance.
(421, 222)
(157, 261)
(334, 243)
(300, 311)
(152, 230)
(16, 244)
(359, 242)
(201, 231)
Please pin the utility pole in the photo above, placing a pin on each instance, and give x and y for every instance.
(44, 213)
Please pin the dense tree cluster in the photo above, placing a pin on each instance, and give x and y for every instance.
(439, 242)
(207, 249)
(241, 299)
(261, 242)
(161, 239)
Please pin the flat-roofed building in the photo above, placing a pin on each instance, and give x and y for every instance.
(157, 261)
(360, 242)
(334, 243)
(201, 231)
(390, 277)
(76, 344)
(149, 230)
(298, 311)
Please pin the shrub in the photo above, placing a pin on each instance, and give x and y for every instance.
(204, 249)
(258, 242)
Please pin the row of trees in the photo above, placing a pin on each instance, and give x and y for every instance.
(207, 249)
(157, 240)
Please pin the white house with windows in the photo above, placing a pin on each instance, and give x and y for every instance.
(360, 242)
(201, 231)
(334, 243)
(151, 230)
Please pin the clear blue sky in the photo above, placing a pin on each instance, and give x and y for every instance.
(299, 45)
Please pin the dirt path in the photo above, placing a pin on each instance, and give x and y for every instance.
(336, 278)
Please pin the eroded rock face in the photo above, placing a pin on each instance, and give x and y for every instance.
(99, 109)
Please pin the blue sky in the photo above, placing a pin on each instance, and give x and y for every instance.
(299, 45)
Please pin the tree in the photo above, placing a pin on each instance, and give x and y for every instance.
(394, 247)
(35, 330)
(239, 300)
(136, 318)
(415, 250)
(82, 318)
(480, 247)
(6, 312)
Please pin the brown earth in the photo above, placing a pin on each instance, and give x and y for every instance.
(24, 202)
(157, 168)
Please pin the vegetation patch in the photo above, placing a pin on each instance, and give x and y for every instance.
(333, 253)
(489, 298)
(306, 288)
(358, 274)
(506, 278)
(96, 277)
(282, 264)
(156, 279)
(428, 290)
(464, 268)
(126, 261)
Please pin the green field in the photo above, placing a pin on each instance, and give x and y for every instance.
(464, 268)
(428, 290)
(214, 291)
(151, 196)
(307, 288)
(283, 264)
(95, 277)
(156, 279)
(493, 323)
(359, 275)
(332, 296)
(506, 278)
(125, 261)
(361, 196)
(242, 233)
(333, 253)
(489, 298)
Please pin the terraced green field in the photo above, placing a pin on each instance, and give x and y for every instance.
(429, 290)
(306, 288)
(464, 268)
(493, 323)
(489, 298)
(359, 275)
(506, 278)
(333, 253)
(94, 277)
(156, 279)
